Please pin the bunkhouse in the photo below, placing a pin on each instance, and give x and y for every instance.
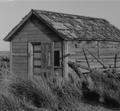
(42, 39)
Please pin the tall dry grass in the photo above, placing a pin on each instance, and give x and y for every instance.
(23, 94)
(40, 93)
(106, 84)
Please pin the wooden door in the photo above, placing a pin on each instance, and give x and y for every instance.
(47, 57)
(41, 58)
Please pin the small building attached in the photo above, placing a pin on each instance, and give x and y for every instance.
(40, 41)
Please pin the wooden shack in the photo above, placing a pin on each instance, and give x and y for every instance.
(40, 41)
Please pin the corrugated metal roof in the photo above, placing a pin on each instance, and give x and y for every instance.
(79, 27)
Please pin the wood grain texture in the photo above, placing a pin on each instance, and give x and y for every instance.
(32, 31)
(105, 51)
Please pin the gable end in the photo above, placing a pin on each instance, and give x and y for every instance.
(9, 37)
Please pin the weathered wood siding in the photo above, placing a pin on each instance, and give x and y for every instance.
(104, 50)
(32, 31)
(59, 46)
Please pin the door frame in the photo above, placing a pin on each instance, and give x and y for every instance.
(31, 59)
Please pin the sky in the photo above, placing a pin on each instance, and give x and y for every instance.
(12, 11)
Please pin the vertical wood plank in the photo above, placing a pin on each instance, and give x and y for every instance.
(11, 64)
(115, 61)
(86, 59)
(98, 50)
(52, 57)
(30, 59)
(66, 59)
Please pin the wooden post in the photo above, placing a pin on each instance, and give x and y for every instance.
(98, 49)
(65, 60)
(115, 60)
(30, 59)
(64, 56)
(86, 59)
(75, 68)
(97, 59)
(83, 67)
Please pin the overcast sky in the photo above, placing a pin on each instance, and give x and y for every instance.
(12, 11)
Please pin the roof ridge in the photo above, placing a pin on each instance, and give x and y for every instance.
(77, 28)
(82, 16)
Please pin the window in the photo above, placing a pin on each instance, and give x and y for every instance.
(36, 57)
(40, 57)
(57, 58)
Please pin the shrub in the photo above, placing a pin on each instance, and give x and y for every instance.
(106, 84)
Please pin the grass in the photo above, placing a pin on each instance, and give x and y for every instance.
(41, 93)
(25, 93)
(106, 84)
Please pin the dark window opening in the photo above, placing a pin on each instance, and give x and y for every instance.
(57, 58)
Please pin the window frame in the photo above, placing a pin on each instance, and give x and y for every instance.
(34, 59)
(31, 58)
(59, 59)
